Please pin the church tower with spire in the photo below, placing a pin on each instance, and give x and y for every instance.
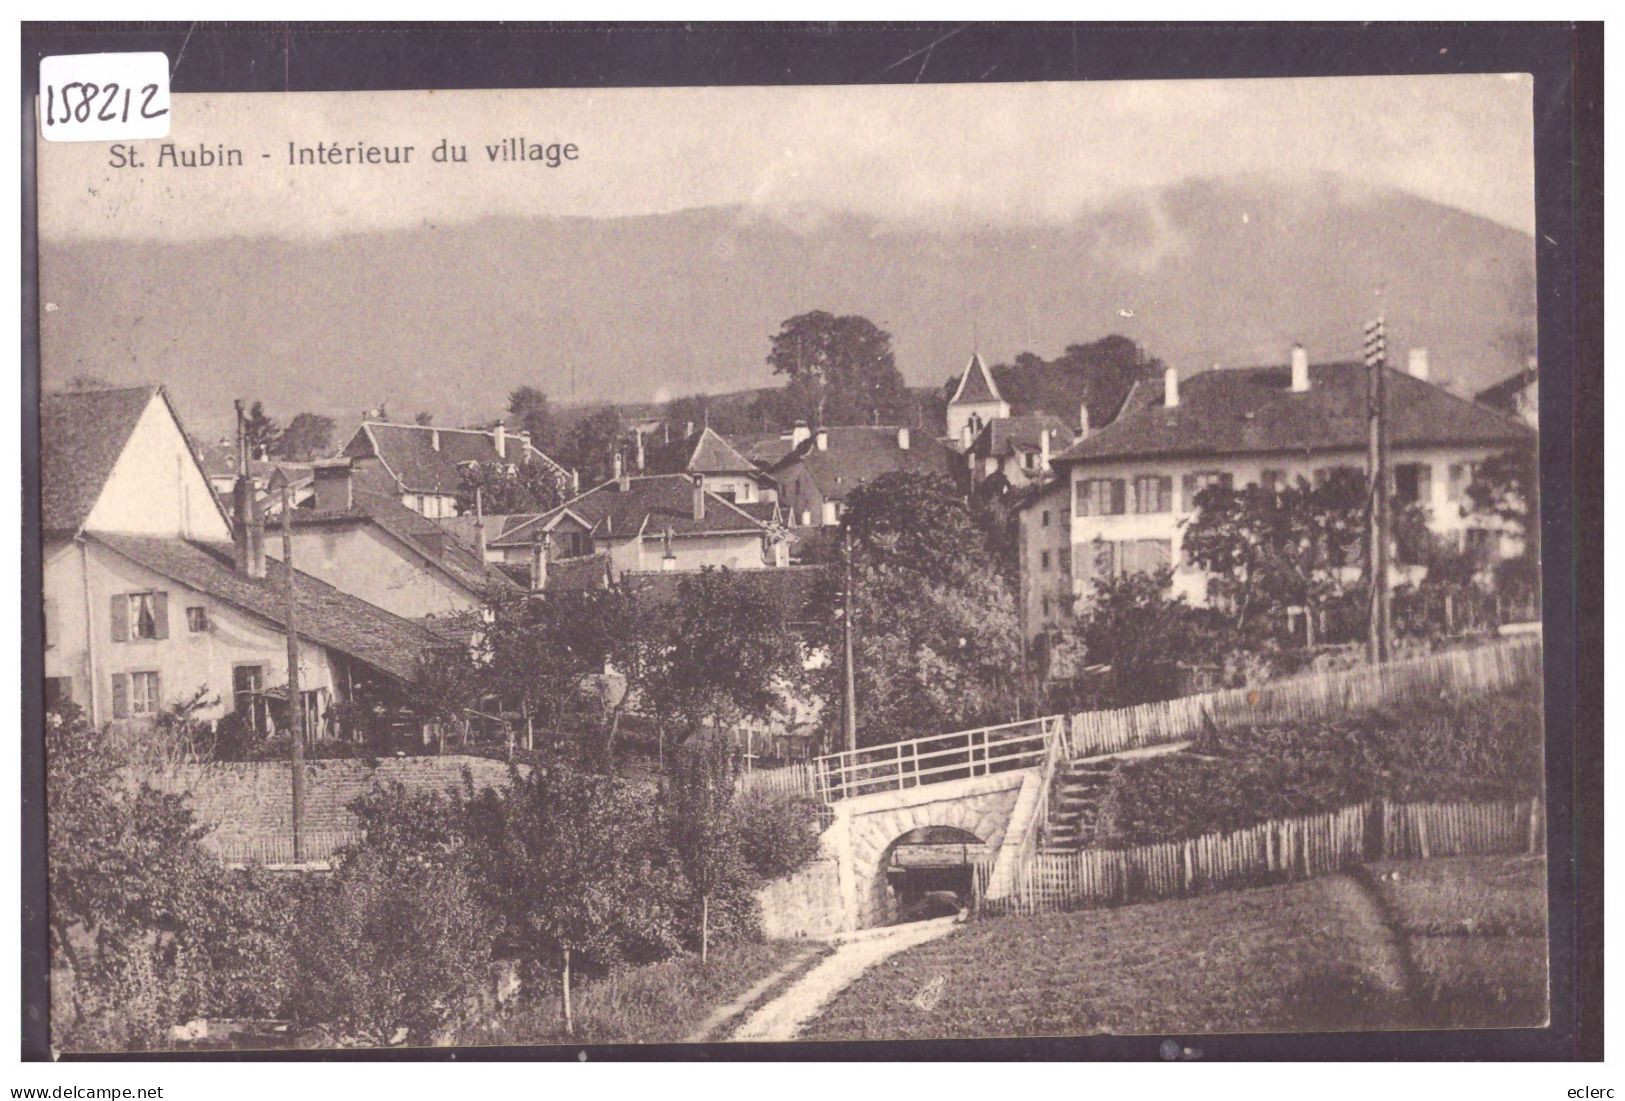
(976, 401)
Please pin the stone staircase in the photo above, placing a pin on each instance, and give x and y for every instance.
(1080, 789)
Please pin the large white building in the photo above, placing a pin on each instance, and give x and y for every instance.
(1132, 485)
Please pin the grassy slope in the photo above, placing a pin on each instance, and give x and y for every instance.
(1305, 956)
(658, 1003)
(1475, 929)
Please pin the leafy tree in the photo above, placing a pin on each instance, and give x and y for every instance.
(840, 370)
(778, 834)
(937, 643)
(129, 888)
(725, 656)
(528, 487)
(391, 945)
(530, 407)
(703, 823)
(591, 444)
(308, 436)
(1267, 550)
(423, 418)
(584, 875)
(261, 431)
(1131, 624)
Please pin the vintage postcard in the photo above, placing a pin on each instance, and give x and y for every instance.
(857, 562)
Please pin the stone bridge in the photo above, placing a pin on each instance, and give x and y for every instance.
(999, 809)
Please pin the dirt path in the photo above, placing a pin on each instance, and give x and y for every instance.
(723, 1015)
(784, 1016)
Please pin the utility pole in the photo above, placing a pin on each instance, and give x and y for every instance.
(296, 710)
(849, 712)
(1377, 502)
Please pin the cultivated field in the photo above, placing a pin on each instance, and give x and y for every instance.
(1327, 954)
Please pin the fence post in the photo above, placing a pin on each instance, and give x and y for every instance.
(1189, 871)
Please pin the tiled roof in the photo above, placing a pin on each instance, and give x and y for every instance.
(587, 571)
(1004, 435)
(704, 452)
(409, 454)
(976, 384)
(860, 454)
(332, 618)
(82, 435)
(436, 541)
(651, 504)
(1503, 395)
(764, 449)
(1253, 410)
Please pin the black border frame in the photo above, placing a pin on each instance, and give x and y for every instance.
(1566, 62)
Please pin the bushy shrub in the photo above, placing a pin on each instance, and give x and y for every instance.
(778, 834)
(384, 948)
(1448, 749)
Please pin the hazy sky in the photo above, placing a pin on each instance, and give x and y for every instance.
(997, 154)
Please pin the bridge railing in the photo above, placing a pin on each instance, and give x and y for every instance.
(936, 758)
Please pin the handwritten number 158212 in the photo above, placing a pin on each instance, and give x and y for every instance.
(79, 103)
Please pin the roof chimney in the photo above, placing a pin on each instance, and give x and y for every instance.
(800, 434)
(902, 438)
(1043, 448)
(479, 522)
(699, 497)
(638, 432)
(434, 438)
(668, 560)
(823, 439)
(1170, 388)
(499, 440)
(1418, 363)
(965, 435)
(248, 532)
(335, 485)
(524, 445)
(1083, 420)
(1300, 369)
(623, 480)
(540, 552)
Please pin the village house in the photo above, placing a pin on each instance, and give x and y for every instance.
(220, 461)
(643, 523)
(1518, 395)
(1132, 485)
(422, 465)
(1043, 512)
(725, 472)
(975, 402)
(153, 593)
(829, 463)
(1011, 452)
(372, 546)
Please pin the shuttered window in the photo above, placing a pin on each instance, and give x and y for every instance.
(138, 616)
(1100, 497)
(1193, 484)
(1153, 493)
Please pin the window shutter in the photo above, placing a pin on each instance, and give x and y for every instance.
(121, 695)
(1424, 484)
(121, 619)
(160, 603)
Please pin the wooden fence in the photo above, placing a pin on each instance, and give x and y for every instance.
(796, 779)
(277, 848)
(1275, 851)
(1318, 696)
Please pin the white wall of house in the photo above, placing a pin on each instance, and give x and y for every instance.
(1045, 547)
(959, 415)
(157, 487)
(368, 562)
(742, 551)
(733, 487)
(434, 506)
(1444, 499)
(80, 639)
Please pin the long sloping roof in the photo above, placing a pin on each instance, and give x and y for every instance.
(1253, 410)
(651, 504)
(82, 435)
(976, 384)
(408, 452)
(326, 615)
(859, 454)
